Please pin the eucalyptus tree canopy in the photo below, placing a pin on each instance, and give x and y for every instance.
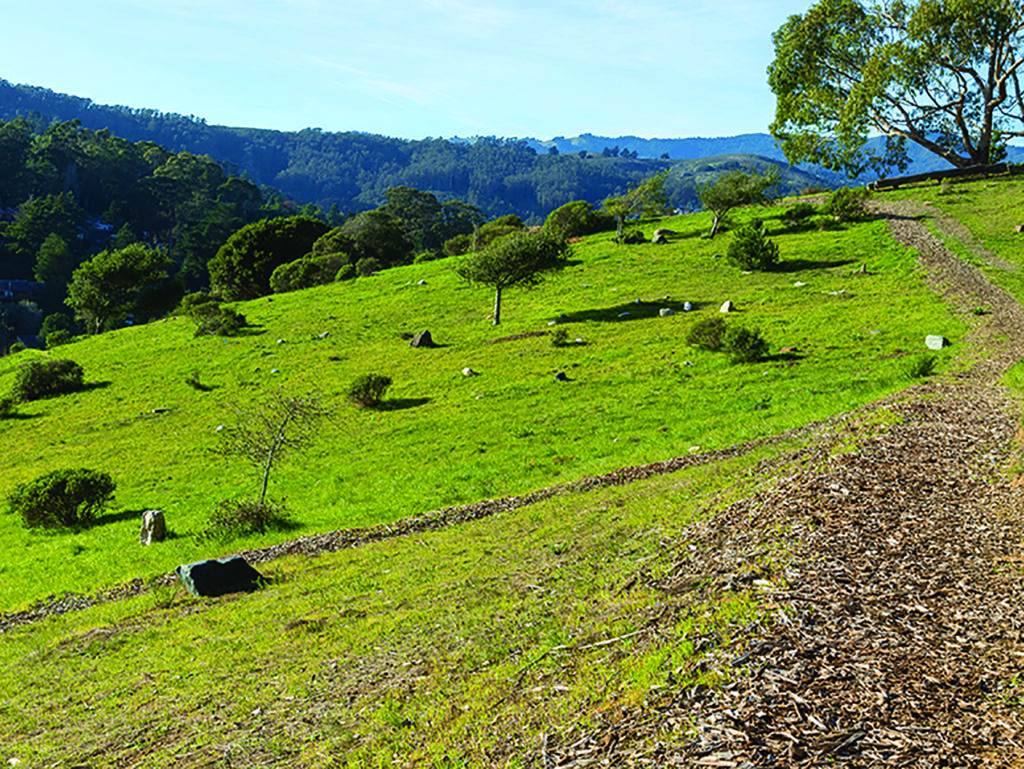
(943, 74)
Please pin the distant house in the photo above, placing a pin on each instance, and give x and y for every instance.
(16, 290)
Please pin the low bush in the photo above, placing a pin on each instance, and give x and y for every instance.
(62, 499)
(39, 379)
(307, 272)
(559, 337)
(213, 319)
(707, 334)
(576, 219)
(345, 272)
(459, 245)
(8, 407)
(798, 215)
(190, 302)
(847, 204)
(922, 367)
(751, 249)
(56, 338)
(16, 347)
(367, 267)
(632, 237)
(233, 518)
(745, 345)
(368, 390)
(426, 255)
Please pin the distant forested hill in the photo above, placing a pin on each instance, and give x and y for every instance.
(353, 170)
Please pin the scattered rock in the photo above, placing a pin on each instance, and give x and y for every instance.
(666, 312)
(1019, 228)
(275, 371)
(579, 340)
(788, 350)
(659, 238)
(422, 339)
(161, 410)
(799, 284)
(219, 576)
(553, 322)
(421, 282)
(323, 334)
(623, 315)
(933, 342)
(687, 306)
(469, 372)
(561, 376)
(664, 232)
(727, 306)
(154, 527)
(218, 428)
(280, 341)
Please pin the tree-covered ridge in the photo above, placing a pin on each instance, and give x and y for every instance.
(353, 171)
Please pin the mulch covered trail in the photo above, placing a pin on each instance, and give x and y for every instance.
(897, 636)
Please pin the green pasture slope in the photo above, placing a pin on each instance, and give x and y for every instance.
(633, 395)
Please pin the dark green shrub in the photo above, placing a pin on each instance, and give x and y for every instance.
(707, 334)
(574, 220)
(848, 205)
(57, 321)
(213, 319)
(367, 267)
(8, 407)
(798, 214)
(62, 498)
(922, 367)
(193, 381)
(238, 517)
(306, 272)
(368, 390)
(559, 337)
(632, 237)
(190, 302)
(459, 245)
(745, 345)
(751, 249)
(56, 338)
(16, 347)
(345, 272)
(47, 379)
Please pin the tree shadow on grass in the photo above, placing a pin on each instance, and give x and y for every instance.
(783, 357)
(627, 311)
(18, 417)
(800, 265)
(401, 404)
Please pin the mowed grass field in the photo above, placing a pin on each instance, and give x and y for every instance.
(637, 393)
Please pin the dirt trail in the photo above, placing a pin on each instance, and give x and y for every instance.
(899, 639)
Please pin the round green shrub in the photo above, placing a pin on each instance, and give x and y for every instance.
(751, 249)
(39, 379)
(707, 334)
(367, 267)
(16, 347)
(745, 345)
(213, 319)
(848, 205)
(69, 498)
(56, 338)
(368, 390)
(633, 237)
(798, 214)
(345, 272)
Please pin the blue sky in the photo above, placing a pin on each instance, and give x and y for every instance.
(412, 68)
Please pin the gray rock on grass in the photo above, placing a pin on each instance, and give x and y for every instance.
(422, 339)
(154, 527)
(666, 312)
(934, 342)
(727, 306)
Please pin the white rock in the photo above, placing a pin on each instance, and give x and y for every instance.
(666, 312)
(154, 527)
(280, 341)
(687, 306)
(799, 284)
(469, 372)
(727, 306)
(933, 342)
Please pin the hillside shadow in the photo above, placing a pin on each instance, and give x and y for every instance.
(401, 404)
(18, 417)
(782, 357)
(800, 265)
(636, 311)
(95, 386)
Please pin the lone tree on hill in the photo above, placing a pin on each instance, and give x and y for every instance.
(943, 74)
(519, 259)
(265, 433)
(646, 199)
(734, 189)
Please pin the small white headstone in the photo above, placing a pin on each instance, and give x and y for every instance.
(935, 342)
(154, 527)
(727, 306)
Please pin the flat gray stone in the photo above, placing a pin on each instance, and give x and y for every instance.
(933, 342)
(422, 339)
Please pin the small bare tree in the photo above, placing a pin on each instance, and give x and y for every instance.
(268, 431)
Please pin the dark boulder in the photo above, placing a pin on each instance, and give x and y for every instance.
(219, 576)
(422, 339)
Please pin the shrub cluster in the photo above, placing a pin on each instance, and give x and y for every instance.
(63, 498)
(576, 219)
(798, 215)
(39, 379)
(213, 319)
(743, 345)
(237, 517)
(632, 237)
(848, 205)
(751, 249)
(309, 271)
(368, 390)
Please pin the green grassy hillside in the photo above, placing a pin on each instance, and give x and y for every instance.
(633, 395)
